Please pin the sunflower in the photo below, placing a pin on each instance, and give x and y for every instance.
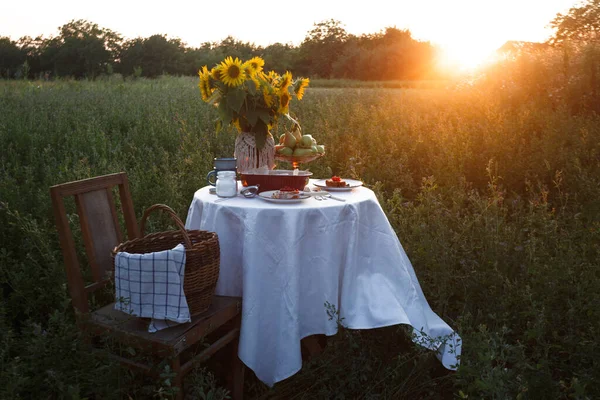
(284, 102)
(271, 77)
(268, 98)
(254, 65)
(204, 85)
(299, 87)
(228, 86)
(215, 73)
(250, 74)
(285, 81)
(232, 73)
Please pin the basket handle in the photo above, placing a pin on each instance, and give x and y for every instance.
(174, 217)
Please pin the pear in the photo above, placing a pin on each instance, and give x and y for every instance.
(306, 142)
(285, 151)
(297, 134)
(298, 152)
(289, 140)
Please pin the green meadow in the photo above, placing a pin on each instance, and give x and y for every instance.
(493, 190)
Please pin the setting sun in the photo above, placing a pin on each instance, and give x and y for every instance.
(465, 58)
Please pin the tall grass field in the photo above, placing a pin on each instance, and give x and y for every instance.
(494, 194)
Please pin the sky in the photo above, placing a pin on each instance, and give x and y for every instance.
(467, 29)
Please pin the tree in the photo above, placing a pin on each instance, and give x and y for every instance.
(81, 50)
(389, 55)
(82, 28)
(161, 56)
(12, 58)
(581, 24)
(577, 35)
(321, 47)
(207, 54)
(131, 56)
(32, 49)
(235, 48)
(280, 57)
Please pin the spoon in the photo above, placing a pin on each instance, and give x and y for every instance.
(321, 195)
(314, 194)
(248, 192)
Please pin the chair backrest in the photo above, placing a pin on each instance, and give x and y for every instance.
(100, 229)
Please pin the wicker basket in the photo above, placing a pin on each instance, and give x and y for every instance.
(202, 257)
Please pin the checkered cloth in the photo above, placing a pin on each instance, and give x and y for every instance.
(151, 286)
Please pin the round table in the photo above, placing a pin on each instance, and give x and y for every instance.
(288, 260)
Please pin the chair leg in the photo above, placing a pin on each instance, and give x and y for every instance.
(176, 366)
(237, 372)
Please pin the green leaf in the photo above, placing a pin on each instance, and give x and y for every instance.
(218, 126)
(260, 134)
(252, 117)
(263, 114)
(251, 87)
(221, 87)
(225, 113)
(235, 99)
(261, 139)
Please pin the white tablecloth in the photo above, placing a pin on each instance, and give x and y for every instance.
(288, 260)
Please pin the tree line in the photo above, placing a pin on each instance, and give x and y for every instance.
(83, 50)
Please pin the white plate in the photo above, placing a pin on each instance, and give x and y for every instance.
(352, 183)
(267, 196)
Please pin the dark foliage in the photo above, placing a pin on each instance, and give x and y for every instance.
(84, 50)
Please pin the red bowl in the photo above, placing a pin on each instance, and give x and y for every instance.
(277, 179)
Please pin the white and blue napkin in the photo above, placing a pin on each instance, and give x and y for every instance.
(150, 285)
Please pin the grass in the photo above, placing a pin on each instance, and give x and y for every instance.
(493, 195)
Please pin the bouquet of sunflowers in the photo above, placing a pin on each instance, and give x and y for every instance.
(249, 98)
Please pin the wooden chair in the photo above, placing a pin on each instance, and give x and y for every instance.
(101, 232)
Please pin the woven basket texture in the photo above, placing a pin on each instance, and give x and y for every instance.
(202, 257)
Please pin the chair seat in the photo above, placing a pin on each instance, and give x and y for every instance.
(134, 331)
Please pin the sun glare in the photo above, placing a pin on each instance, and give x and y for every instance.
(464, 58)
